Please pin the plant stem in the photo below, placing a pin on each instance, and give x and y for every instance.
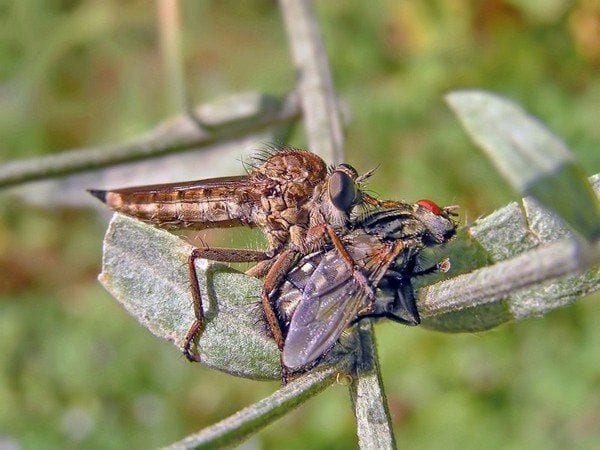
(249, 420)
(373, 421)
(491, 283)
(322, 120)
(169, 26)
(208, 125)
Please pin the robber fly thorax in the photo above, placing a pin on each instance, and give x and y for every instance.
(320, 297)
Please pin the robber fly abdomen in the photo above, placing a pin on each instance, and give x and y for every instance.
(218, 202)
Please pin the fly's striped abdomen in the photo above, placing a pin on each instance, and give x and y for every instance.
(205, 204)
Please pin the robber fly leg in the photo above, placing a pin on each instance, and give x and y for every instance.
(215, 254)
(443, 266)
(372, 201)
(273, 280)
(357, 273)
(198, 323)
(261, 269)
(316, 237)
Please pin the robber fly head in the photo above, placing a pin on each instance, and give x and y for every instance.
(340, 194)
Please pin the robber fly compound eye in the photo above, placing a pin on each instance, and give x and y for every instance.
(342, 190)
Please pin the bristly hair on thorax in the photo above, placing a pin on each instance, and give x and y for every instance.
(266, 151)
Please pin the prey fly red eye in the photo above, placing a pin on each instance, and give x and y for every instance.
(431, 206)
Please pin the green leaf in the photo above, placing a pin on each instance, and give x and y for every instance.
(145, 269)
(533, 160)
(241, 425)
(526, 248)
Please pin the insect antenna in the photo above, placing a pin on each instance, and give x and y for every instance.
(368, 174)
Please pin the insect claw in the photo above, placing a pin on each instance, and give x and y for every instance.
(444, 265)
(192, 334)
(343, 379)
(191, 357)
(286, 374)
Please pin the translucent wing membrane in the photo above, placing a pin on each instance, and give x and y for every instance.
(331, 300)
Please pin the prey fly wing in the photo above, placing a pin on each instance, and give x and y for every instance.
(330, 301)
(332, 298)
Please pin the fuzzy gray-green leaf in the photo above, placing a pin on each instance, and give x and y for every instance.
(145, 268)
(530, 157)
(524, 241)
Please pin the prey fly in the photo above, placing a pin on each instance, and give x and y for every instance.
(321, 296)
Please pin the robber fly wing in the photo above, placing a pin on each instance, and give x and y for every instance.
(183, 185)
(330, 301)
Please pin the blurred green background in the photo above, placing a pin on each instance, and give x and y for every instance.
(77, 372)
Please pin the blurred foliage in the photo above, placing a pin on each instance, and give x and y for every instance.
(77, 372)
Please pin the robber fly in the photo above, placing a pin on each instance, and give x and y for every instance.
(289, 194)
(321, 297)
